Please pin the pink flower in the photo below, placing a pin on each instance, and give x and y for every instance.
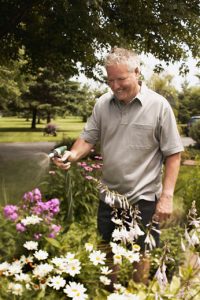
(37, 195)
(10, 212)
(28, 197)
(89, 177)
(20, 227)
(88, 169)
(96, 166)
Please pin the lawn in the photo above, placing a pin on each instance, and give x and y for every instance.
(22, 174)
(19, 130)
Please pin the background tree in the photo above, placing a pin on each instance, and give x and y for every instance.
(162, 84)
(51, 94)
(59, 34)
(189, 102)
(13, 82)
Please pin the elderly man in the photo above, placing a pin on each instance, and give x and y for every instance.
(137, 132)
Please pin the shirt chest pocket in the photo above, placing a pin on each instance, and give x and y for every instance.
(141, 136)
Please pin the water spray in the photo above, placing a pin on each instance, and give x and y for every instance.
(58, 152)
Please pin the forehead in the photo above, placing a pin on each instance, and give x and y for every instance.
(117, 70)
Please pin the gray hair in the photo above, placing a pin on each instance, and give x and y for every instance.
(123, 56)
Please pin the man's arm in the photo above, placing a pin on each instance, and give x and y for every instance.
(79, 150)
(164, 206)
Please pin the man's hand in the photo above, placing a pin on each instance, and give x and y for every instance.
(164, 208)
(62, 162)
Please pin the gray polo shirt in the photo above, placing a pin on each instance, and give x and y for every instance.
(135, 138)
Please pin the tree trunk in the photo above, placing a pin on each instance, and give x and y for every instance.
(48, 117)
(34, 116)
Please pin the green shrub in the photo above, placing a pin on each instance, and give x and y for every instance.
(195, 132)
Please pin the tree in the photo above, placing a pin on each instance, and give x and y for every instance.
(162, 84)
(52, 94)
(59, 34)
(189, 102)
(13, 82)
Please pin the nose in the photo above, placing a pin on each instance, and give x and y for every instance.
(115, 85)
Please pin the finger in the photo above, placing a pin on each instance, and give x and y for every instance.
(155, 217)
(66, 155)
(65, 166)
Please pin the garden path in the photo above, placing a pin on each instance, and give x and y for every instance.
(19, 149)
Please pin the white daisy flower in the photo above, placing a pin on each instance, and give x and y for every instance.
(31, 245)
(69, 256)
(57, 282)
(23, 277)
(117, 249)
(89, 247)
(105, 270)
(15, 268)
(117, 259)
(132, 256)
(97, 257)
(105, 280)
(76, 291)
(57, 261)
(41, 255)
(73, 267)
(15, 288)
(118, 287)
(42, 270)
(26, 259)
(4, 266)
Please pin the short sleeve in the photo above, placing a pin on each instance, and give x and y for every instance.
(170, 140)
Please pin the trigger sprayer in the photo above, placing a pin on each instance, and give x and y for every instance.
(58, 152)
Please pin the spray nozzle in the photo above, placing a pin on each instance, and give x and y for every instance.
(58, 152)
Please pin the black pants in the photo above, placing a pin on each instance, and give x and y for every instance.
(106, 226)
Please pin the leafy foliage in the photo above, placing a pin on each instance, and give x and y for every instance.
(63, 33)
(51, 94)
(195, 132)
(189, 104)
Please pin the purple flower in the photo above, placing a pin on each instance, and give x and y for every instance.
(37, 195)
(20, 227)
(53, 205)
(55, 230)
(40, 207)
(37, 236)
(10, 212)
(28, 197)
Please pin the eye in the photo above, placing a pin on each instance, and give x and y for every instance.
(120, 79)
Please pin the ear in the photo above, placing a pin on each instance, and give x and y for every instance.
(137, 72)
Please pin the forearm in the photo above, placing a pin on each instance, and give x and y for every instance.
(164, 206)
(172, 166)
(79, 150)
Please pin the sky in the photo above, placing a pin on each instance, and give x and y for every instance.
(173, 69)
(149, 63)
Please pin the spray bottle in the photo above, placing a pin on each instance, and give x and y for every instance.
(58, 152)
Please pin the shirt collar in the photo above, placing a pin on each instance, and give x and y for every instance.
(140, 96)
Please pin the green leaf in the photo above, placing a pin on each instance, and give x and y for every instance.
(53, 242)
(175, 284)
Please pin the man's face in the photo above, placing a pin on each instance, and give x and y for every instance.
(123, 83)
